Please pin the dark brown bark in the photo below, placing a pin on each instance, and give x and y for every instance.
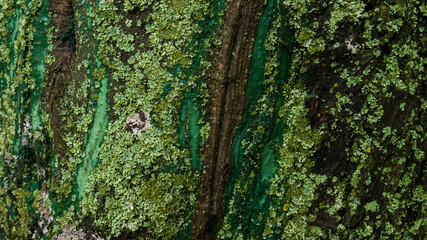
(227, 82)
(59, 71)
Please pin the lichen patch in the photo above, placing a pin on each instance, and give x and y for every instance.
(138, 123)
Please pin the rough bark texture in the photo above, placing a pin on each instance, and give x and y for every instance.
(60, 71)
(196, 119)
(227, 87)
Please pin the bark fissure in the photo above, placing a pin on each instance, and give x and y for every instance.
(60, 70)
(227, 83)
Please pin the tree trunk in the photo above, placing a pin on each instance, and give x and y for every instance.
(173, 119)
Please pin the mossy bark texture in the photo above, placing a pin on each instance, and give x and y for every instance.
(213, 119)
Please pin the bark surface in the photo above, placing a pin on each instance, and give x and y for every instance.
(197, 119)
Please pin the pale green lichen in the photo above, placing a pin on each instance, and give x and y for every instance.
(144, 182)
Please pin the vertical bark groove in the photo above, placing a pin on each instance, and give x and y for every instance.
(60, 70)
(228, 85)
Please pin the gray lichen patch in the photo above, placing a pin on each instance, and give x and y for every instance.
(138, 123)
(44, 211)
(70, 232)
(24, 131)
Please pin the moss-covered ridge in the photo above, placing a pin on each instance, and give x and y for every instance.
(23, 45)
(100, 117)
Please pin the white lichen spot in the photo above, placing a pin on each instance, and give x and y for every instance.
(25, 131)
(130, 205)
(349, 45)
(41, 172)
(192, 84)
(138, 123)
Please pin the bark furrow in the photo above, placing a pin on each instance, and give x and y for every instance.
(228, 85)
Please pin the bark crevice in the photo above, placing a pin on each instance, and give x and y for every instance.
(59, 71)
(227, 82)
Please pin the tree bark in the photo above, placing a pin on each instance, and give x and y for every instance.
(174, 119)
